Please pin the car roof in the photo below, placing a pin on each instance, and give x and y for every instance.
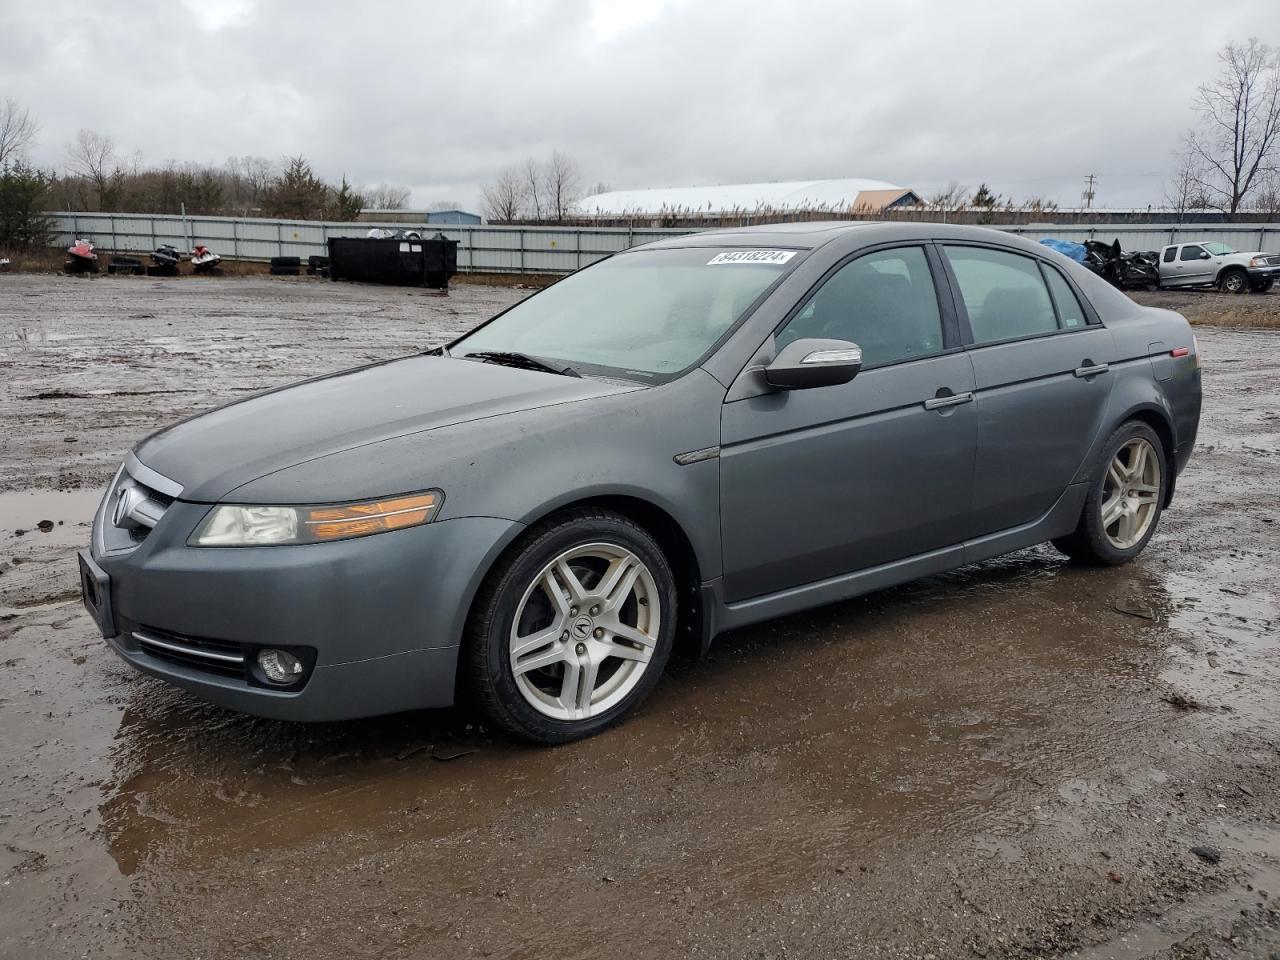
(811, 235)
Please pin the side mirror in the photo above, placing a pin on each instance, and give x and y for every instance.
(814, 363)
(1204, 254)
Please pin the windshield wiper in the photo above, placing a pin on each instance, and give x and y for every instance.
(509, 358)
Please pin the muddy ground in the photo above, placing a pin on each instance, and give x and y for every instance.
(1013, 760)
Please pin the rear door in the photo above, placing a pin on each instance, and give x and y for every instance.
(1194, 264)
(1041, 366)
(822, 482)
(1170, 271)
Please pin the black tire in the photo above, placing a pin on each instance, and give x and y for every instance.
(1089, 542)
(1262, 286)
(286, 261)
(1234, 280)
(488, 673)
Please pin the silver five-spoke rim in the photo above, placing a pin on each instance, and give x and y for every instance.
(585, 631)
(1131, 493)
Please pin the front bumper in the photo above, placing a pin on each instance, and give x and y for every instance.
(383, 615)
(1263, 273)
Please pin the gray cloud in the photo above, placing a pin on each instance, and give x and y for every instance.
(1026, 96)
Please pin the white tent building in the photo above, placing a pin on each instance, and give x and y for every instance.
(841, 195)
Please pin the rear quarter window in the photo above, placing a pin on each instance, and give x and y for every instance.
(1070, 313)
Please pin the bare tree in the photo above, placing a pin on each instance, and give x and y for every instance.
(531, 176)
(562, 183)
(953, 196)
(93, 156)
(1184, 192)
(501, 199)
(386, 196)
(1266, 196)
(246, 180)
(18, 130)
(598, 188)
(258, 173)
(1236, 141)
(440, 205)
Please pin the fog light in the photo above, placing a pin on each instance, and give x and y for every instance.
(280, 666)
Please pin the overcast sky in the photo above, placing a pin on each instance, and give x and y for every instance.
(1028, 96)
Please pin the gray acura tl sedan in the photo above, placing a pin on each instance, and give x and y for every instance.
(691, 436)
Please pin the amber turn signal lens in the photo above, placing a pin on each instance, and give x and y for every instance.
(377, 516)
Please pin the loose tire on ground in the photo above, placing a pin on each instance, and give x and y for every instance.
(555, 670)
(1125, 499)
(1262, 286)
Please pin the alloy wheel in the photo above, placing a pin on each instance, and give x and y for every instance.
(1131, 493)
(585, 631)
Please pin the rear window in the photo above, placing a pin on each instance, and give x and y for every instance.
(1169, 254)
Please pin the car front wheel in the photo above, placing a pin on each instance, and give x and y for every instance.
(1234, 281)
(1125, 500)
(573, 628)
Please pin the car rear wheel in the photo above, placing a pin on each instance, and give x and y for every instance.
(1234, 281)
(1124, 502)
(573, 627)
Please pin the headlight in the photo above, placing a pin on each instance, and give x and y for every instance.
(228, 525)
(1258, 262)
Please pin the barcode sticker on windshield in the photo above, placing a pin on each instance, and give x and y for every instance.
(752, 256)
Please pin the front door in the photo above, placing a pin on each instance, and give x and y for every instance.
(822, 482)
(1195, 265)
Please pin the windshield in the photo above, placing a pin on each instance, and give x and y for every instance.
(1217, 249)
(647, 315)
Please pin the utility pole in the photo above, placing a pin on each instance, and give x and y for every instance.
(1088, 195)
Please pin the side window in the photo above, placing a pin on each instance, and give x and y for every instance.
(1191, 251)
(1003, 293)
(1169, 254)
(884, 302)
(1069, 310)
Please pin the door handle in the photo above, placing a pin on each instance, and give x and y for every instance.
(933, 403)
(1092, 370)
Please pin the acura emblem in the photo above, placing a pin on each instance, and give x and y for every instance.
(124, 505)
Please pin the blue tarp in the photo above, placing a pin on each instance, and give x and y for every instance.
(1073, 250)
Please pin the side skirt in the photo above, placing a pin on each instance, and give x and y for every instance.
(1058, 521)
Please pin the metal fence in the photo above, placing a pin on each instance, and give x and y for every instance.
(480, 248)
(493, 249)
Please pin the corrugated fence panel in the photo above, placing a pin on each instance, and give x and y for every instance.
(531, 249)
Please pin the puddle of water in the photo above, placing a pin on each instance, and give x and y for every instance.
(1261, 844)
(65, 509)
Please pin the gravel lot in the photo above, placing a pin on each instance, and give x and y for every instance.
(1012, 760)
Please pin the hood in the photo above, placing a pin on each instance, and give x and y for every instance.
(213, 453)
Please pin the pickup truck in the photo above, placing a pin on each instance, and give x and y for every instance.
(1213, 264)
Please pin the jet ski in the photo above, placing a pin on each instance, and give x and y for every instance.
(203, 260)
(81, 258)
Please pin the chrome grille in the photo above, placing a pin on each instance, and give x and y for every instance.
(212, 656)
(135, 503)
